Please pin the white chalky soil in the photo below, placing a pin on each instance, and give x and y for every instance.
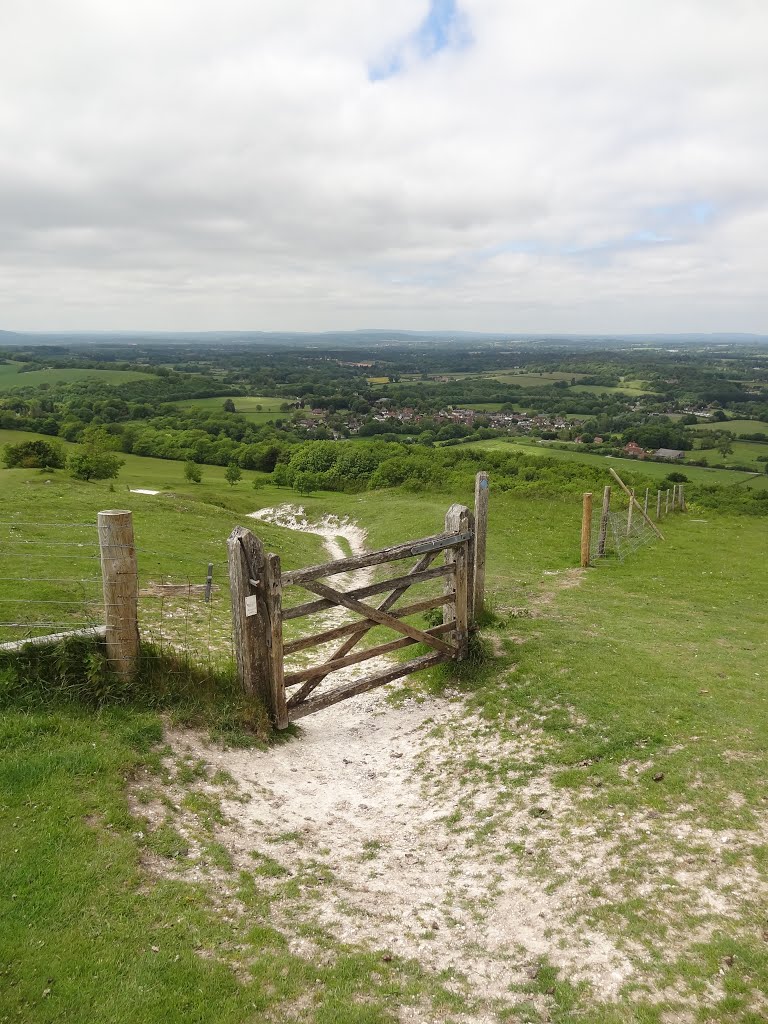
(353, 788)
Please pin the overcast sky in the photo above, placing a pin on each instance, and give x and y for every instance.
(502, 165)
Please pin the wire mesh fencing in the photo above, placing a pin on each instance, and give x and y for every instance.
(50, 578)
(51, 586)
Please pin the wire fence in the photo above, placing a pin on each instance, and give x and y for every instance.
(51, 584)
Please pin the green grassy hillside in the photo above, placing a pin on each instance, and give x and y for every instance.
(642, 682)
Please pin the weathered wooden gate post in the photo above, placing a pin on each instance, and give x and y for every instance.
(481, 533)
(257, 629)
(458, 519)
(586, 527)
(602, 534)
(119, 573)
(658, 505)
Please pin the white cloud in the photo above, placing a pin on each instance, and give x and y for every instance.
(232, 164)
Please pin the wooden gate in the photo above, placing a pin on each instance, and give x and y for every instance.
(257, 589)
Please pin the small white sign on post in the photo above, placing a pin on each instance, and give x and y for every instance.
(252, 605)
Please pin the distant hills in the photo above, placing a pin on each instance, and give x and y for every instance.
(376, 337)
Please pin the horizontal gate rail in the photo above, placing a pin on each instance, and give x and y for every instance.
(325, 700)
(439, 542)
(383, 618)
(293, 678)
(356, 627)
(311, 607)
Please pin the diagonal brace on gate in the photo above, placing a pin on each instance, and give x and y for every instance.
(383, 618)
(357, 636)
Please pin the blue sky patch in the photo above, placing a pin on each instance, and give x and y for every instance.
(445, 27)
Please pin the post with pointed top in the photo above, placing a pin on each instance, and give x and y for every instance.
(119, 572)
(586, 528)
(458, 519)
(255, 592)
(482, 489)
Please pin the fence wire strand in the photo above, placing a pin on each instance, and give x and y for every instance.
(174, 615)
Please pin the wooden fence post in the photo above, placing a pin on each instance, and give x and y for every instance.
(119, 573)
(658, 505)
(586, 527)
(457, 520)
(603, 531)
(666, 502)
(481, 534)
(255, 591)
(273, 588)
(682, 499)
(645, 503)
(629, 512)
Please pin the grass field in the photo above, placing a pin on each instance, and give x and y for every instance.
(11, 378)
(639, 804)
(745, 453)
(246, 406)
(655, 470)
(736, 426)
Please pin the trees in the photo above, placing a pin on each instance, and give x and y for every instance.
(725, 447)
(95, 460)
(192, 472)
(229, 405)
(233, 473)
(34, 455)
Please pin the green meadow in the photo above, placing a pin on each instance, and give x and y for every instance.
(256, 410)
(11, 377)
(735, 426)
(655, 470)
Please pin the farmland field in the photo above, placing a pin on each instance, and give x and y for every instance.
(246, 406)
(735, 426)
(11, 378)
(655, 470)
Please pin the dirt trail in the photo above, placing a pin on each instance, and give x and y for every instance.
(370, 791)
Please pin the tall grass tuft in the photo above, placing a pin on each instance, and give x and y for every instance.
(76, 671)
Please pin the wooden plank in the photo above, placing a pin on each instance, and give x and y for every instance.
(639, 507)
(325, 669)
(273, 595)
(457, 519)
(482, 492)
(325, 700)
(376, 615)
(54, 638)
(417, 570)
(586, 527)
(355, 627)
(121, 589)
(312, 607)
(438, 542)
